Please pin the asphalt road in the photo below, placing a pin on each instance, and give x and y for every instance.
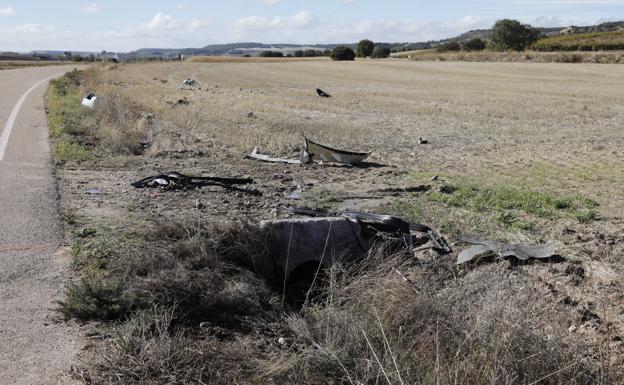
(35, 348)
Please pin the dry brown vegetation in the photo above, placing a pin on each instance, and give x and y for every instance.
(600, 57)
(522, 153)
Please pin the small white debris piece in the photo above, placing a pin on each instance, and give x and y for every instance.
(89, 100)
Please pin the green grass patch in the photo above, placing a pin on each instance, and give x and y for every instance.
(500, 199)
(64, 150)
(95, 296)
(69, 122)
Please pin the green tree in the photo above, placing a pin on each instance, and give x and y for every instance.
(381, 52)
(449, 46)
(475, 44)
(342, 53)
(511, 34)
(271, 54)
(364, 48)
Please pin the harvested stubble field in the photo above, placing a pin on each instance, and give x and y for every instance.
(523, 152)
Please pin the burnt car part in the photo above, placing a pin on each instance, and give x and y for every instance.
(175, 180)
(388, 227)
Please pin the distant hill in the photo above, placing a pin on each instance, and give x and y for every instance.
(485, 34)
(235, 49)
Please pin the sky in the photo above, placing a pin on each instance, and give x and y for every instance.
(125, 25)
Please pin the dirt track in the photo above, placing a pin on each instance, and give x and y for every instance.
(34, 347)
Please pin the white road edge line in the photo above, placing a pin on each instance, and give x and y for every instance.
(6, 133)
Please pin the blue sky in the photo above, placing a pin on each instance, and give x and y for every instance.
(126, 25)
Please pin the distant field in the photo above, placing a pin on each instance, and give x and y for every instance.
(253, 59)
(408, 54)
(599, 41)
(7, 65)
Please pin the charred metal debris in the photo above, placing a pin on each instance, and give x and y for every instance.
(389, 229)
(175, 181)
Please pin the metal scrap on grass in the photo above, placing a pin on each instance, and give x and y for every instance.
(316, 152)
(503, 250)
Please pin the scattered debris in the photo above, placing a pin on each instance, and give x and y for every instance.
(175, 180)
(89, 100)
(435, 178)
(503, 250)
(180, 102)
(328, 154)
(255, 154)
(251, 115)
(294, 195)
(423, 141)
(94, 191)
(315, 152)
(322, 93)
(388, 228)
(190, 82)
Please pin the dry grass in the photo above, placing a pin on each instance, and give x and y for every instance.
(373, 327)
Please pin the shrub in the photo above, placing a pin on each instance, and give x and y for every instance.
(449, 46)
(381, 52)
(342, 53)
(511, 34)
(271, 54)
(364, 48)
(475, 44)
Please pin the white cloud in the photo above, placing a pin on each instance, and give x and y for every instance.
(91, 8)
(166, 31)
(348, 2)
(28, 37)
(180, 6)
(162, 31)
(162, 22)
(8, 11)
(272, 2)
(303, 19)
